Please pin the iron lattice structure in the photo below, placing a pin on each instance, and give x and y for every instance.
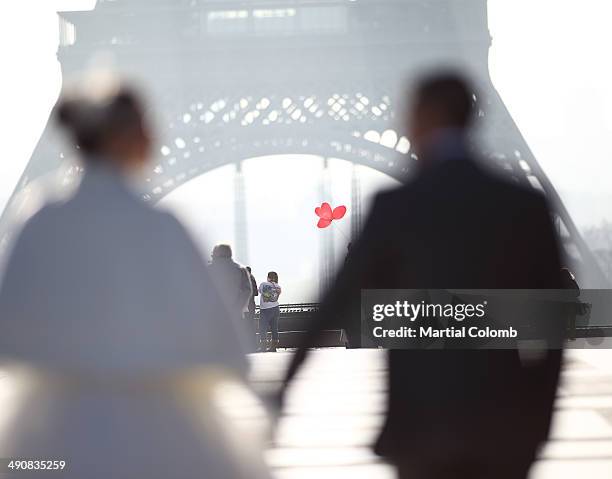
(233, 80)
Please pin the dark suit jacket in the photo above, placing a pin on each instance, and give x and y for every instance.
(454, 226)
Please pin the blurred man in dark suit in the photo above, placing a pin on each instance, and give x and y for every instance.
(453, 413)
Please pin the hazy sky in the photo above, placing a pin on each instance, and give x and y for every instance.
(549, 61)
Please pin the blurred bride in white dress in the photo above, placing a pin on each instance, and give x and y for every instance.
(118, 338)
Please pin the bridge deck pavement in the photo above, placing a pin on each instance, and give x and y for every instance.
(335, 408)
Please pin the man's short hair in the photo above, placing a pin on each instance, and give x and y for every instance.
(448, 94)
(222, 251)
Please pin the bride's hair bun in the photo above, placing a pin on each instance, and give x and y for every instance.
(92, 116)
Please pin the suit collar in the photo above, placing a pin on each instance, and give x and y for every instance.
(445, 145)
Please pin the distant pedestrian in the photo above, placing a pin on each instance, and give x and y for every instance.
(250, 309)
(234, 284)
(568, 282)
(269, 312)
(233, 281)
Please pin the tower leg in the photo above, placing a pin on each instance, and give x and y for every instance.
(355, 202)
(326, 256)
(241, 253)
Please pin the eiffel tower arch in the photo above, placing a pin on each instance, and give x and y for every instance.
(235, 80)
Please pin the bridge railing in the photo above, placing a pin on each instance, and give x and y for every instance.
(295, 308)
(295, 320)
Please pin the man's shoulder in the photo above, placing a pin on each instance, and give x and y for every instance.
(231, 264)
(383, 199)
(459, 183)
(474, 174)
(515, 192)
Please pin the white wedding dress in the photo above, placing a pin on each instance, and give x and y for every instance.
(115, 344)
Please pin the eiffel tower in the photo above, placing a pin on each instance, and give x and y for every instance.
(232, 80)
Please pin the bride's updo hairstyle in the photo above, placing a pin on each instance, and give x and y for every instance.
(99, 114)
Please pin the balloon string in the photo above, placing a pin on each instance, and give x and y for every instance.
(342, 232)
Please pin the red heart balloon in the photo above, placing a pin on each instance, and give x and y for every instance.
(339, 212)
(326, 215)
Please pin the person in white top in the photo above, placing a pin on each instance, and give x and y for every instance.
(269, 312)
(111, 308)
